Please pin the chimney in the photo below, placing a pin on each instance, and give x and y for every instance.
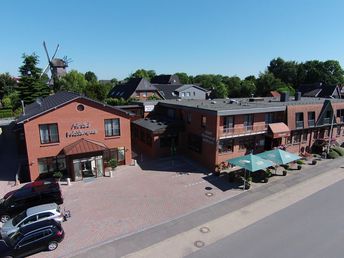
(284, 96)
(297, 96)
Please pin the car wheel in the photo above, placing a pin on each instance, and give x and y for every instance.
(52, 246)
(4, 218)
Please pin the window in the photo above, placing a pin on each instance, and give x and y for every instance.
(194, 93)
(80, 107)
(340, 114)
(44, 215)
(187, 94)
(188, 118)
(248, 122)
(311, 119)
(228, 122)
(203, 121)
(195, 142)
(49, 133)
(182, 94)
(339, 128)
(269, 118)
(226, 146)
(304, 137)
(247, 144)
(144, 94)
(112, 127)
(327, 118)
(296, 137)
(299, 120)
(168, 141)
(51, 164)
(30, 220)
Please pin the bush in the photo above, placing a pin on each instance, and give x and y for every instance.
(333, 154)
(5, 113)
(339, 150)
(112, 163)
(300, 162)
(6, 102)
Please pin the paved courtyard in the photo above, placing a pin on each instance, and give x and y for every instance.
(136, 198)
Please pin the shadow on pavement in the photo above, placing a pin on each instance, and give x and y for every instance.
(221, 182)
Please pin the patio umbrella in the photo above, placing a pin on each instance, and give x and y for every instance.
(251, 163)
(279, 156)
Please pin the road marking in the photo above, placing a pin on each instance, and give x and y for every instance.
(183, 244)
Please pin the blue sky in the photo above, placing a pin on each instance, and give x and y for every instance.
(115, 38)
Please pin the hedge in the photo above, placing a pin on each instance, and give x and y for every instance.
(4, 113)
(339, 150)
(333, 154)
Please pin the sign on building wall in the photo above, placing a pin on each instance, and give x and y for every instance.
(80, 129)
(149, 108)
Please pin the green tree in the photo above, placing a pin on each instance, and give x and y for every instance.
(233, 85)
(247, 89)
(95, 90)
(184, 78)
(7, 84)
(91, 76)
(142, 73)
(31, 85)
(72, 81)
(267, 82)
(286, 71)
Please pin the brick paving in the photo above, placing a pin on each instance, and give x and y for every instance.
(135, 199)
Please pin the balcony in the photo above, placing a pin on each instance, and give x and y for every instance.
(311, 123)
(242, 131)
(299, 124)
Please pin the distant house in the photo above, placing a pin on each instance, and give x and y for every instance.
(319, 90)
(161, 86)
(138, 88)
(186, 91)
(166, 79)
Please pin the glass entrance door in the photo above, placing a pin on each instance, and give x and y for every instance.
(88, 167)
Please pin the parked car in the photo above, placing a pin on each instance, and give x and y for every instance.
(30, 216)
(27, 197)
(40, 236)
(32, 184)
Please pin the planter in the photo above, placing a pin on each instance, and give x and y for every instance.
(314, 162)
(299, 167)
(284, 173)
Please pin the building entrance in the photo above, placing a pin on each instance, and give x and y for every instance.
(88, 167)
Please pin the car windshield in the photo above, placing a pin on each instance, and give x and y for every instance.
(18, 218)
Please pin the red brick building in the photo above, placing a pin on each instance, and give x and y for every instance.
(213, 131)
(75, 135)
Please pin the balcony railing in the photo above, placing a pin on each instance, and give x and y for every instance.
(250, 129)
(311, 123)
(299, 124)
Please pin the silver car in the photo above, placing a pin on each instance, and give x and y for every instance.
(32, 215)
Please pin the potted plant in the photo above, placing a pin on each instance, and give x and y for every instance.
(57, 175)
(113, 164)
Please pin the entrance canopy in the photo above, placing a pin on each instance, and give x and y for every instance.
(279, 156)
(251, 162)
(83, 146)
(279, 130)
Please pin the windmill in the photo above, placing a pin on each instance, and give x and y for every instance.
(57, 66)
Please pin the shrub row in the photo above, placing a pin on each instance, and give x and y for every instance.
(4, 113)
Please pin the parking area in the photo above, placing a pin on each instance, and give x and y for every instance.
(136, 198)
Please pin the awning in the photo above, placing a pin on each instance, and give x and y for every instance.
(279, 130)
(83, 146)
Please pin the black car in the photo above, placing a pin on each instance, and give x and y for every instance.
(34, 238)
(32, 195)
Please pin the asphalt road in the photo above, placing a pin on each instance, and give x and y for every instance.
(313, 227)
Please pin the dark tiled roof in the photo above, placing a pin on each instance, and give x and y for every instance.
(83, 146)
(303, 88)
(166, 79)
(127, 89)
(328, 91)
(158, 124)
(167, 90)
(312, 93)
(44, 105)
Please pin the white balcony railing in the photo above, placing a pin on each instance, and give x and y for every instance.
(250, 129)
